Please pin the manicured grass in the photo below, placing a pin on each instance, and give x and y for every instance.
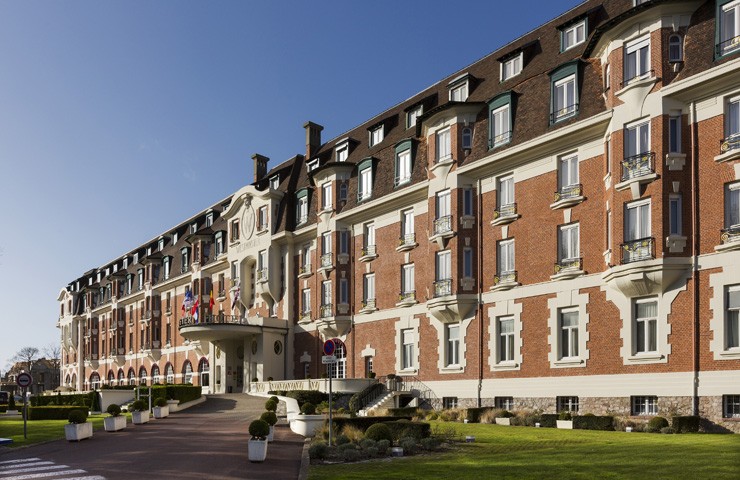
(524, 452)
(39, 430)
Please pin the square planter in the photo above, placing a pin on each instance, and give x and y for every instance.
(114, 424)
(74, 432)
(503, 421)
(161, 412)
(257, 450)
(140, 418)
(272, 433)
(565, 424)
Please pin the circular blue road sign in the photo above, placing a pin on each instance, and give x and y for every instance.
(329, 347)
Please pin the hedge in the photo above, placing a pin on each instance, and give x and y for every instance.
(183, 393)
(400, 429)
(363, 423)
(473, 414)
(78, 399)
(686, 424)
(56, 412)
(308, 396)
(3, 408)
(593, 422)
(548, 420)
(402, 412)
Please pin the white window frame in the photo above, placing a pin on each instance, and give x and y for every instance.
(302, 210)
(643, 227)
(403, 167)
(648, 326)
(443, 265)
(452, 335)
(312, 165)
(501, 125)
(408, 342)
(275, 182)
(407, 222)
(569, 239)
(568, 335)
(675, 223)
(443, 205)
(459, 92)
(443, 143)
(732, 205)
(732, 117)
(563, 107)
(644, 405)
(723, 24)
(505, 256)
(568, 171)
(732, 319)
(505, 191)
(342, 152)
(368, 286)
(637, 61)
(306, 299)
(506, 339)
(731, 406)
(567, 404)
(326, 243)
(326, 196)
(512, 67)
(577, 31)
(675, 48)
(413, 115)
(377, 134)
(365, 184)
(407, 278)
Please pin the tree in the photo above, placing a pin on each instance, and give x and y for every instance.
(52, 352)
(27, 355)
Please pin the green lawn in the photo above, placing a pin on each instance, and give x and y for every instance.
(39, 430)
(524, 452)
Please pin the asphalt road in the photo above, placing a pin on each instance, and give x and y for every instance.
(208, 441)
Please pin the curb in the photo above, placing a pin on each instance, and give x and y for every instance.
(305, 460)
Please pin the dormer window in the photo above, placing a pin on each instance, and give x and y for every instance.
(125, 263)
(301, 207)
(413, 114)
(160, 244)
(193, 228)
(275, 182)
(98, 277)
(376, 135)
(209, 219)
(174, 238)
(572, 35)
(148, 250)
(115, 268)
(136, 259)
(512, 67)
(459, 93)
(365, 187)
(342, 152)
(312, 165)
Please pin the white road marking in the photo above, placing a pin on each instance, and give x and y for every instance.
(27, 469)
(29, 464)
(58, 473)
(20, 460)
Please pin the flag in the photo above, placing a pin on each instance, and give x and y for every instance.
(194, 309)
(187, 302)
(211, 303)
(235, 298)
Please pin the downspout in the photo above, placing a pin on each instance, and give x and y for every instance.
(479, 285)
(695, 258)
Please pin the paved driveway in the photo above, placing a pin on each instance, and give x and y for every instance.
(208, 441)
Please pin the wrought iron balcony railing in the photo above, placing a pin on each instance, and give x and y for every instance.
(569, 191)
(302, 219)
(305, 316)
(443, 225)
(568, 264)
(443, 287)
(730, 143)
(637, 76)
(407, 239)
(362, 196)
(304, 269)
(505, 277)
(326, 311)
(327, 261)
(563, 113)
(368, 303)
(638, 165)
(407, 296)
(402, 179)
(729, 45)
(262, 275)
(507, 210)
(500, 139)
(368, 250)
(638, 250)
(217, 319)
(730, 235)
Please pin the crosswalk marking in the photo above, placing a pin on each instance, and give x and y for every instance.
(36, 468)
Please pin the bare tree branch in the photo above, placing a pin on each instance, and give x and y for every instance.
(26, 355)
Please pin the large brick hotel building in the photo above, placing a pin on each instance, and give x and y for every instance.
(555, 226)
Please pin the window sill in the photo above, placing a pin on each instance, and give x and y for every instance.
(326, 210)
(368, 257)
(262, 231)
(504, 286)
(569, 363)
(567, 274)
(406, 246)
(728, 156)
(726, 247)
(634, 184)
(368, 310)
(407, 372)
(567, 202)
(467, 221)
(305, 274)
(503, 220)
(646, 82)
(451, 369)
(731, 354)
(646, 358)
(509, 365)
(675, 243)
(407, 303)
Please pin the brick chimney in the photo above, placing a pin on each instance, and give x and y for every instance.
(313, 138)
(260, 166)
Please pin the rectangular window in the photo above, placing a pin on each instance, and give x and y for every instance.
(234, 272)
(366, 184)
(637, 60)
(235, 230)
(306, 299)
(262, 218)
(342, 153)
(275, 182)
(262, 260)
(729, 28)
(505, 192)
(443, 265)
(467, 201)
(573, 35)
(732, 119)
(568, 333)
(453, 345)
(343, 291)
(219, 243)
(407, 279)
(344, 241)
(731, 406)
(646, 326)
(637, 220)
(732, 205)
(369, 235)
(412, 116)
(564, 103)
(376, 135)
(644, 405)
(674, 215)
(407, 223)
(567, 404)
(160, 247)
(637, 140)
(325, 243)
(403, 167)
(504, 403)
(511, 67)
(674, 134)
(459, 93)
(467, 262)
(407, 348)
(166, 263)
(568, 172)
(368, 287)
(443, 144)
(302, 210)
(506, 339)
(505, 257)
(312, 165)
(326, 197)
(501, 125)
(443, 204)
(568, 243)
(732, 329)
(449, 402)
(326, 293)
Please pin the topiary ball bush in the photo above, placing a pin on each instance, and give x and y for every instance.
(160, 402)
(275, 399)
(656, 424)
(308, 409)
(138, 406)
(318, 450)
(113, 410)
(269, 417)
(259, 429)
(378, 432)
(270, 406)
(77, 416)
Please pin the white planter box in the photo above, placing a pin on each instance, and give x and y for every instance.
(272, 433)
(113, 424)
(173, 405)
(140, 418)
(257, 450)
(74, 432)
(566, 424)
(503, 421)
(161, 412)
(307, 425)
(11, 412)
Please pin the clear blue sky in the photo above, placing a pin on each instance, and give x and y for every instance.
(120, 119)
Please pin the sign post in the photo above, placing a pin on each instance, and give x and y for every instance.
(24, 380)
(329, 359)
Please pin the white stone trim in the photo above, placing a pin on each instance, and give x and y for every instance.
(565, 299)
(368, 351)
(504, 308)
(718, 282)
(442, 344)
(404, 323)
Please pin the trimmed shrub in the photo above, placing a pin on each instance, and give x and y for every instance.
(271, 406)
(363, 423)
(139, 406)
(383, 446)
(307, 396)
(275, 399)
(666, 430)
(160, 402)
(685, 424)
(342, 440)
(259, 429)
(57, 412)
(368, 443)
(593, 422)
(346, 446)
(269, 417)
(565, 415)
(473, 415)
(417, 430)
(113, 410)
(351, 455)
(77, 416)
(656, 424)
(379, 431)
(408, 444)
(548, 420)
(183, 393)
(402, 412)
(308, 409)
(372, 451)
(318, 450)
(429, 443)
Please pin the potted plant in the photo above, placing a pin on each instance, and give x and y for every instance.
(78, 427)
(115, 421)
(503, 417)
(565, 420)
(161, 409)
(307, 423)
(259, 430)
(173, 405)
(271, 419)
(139, 412)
